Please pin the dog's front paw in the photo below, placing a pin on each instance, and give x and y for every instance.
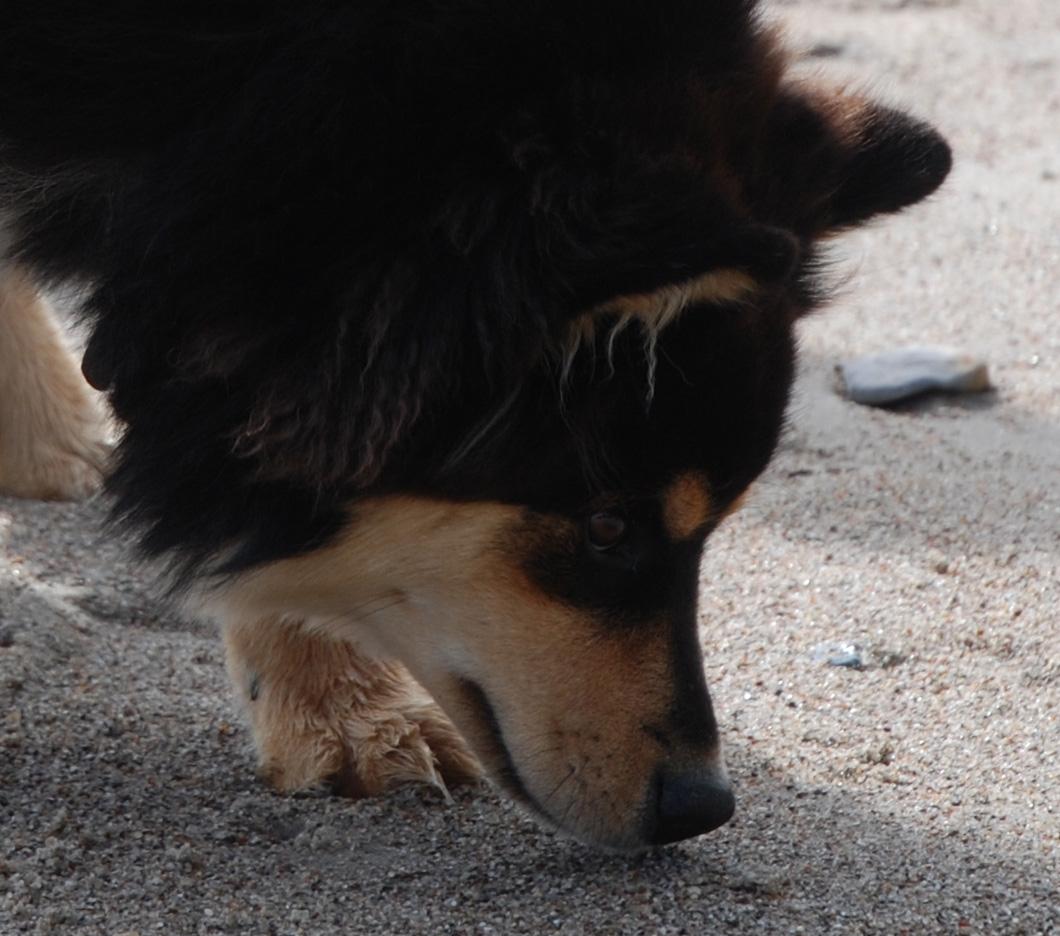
(417, 744)
(323, 713)
(358, 747)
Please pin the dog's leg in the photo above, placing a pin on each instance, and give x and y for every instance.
(53, 439)
(323, 712)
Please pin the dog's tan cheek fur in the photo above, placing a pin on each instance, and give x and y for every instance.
(577, 727)
(571, 696)
(576, 736)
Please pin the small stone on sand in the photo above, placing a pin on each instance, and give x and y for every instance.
(892, 376)
(843, 654)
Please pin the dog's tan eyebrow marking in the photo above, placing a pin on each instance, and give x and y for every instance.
(659, 308)
(655, 311)
(662, 307)
(687, 505)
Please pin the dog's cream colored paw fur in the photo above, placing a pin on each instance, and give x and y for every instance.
(323, 713)
(54, 442)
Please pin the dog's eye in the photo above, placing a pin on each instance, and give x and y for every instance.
(606, 530)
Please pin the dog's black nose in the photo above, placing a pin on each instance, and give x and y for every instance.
(690, 803)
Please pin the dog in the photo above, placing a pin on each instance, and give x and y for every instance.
(442, 335)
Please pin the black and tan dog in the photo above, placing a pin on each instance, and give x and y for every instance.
(442, 333)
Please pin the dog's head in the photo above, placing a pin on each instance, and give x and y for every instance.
(491, 319)
(562, 634)
(559, 563)
(537, 538)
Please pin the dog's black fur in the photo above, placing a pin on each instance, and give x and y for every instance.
(333, 246)
(335, 249)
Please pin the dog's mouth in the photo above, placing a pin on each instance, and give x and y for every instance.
(496, 753)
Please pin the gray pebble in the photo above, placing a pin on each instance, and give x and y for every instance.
(892, 376)
(847, 655)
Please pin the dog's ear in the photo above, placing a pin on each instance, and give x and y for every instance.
(831, 161)
(893, 161)
(664, 231)
(718, 264)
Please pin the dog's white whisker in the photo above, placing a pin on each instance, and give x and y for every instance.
(559, 786)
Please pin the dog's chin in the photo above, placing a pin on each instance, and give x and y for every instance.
(494, 753)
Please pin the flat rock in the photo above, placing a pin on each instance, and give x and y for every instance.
(892, 376)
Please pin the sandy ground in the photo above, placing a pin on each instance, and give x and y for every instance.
(919, 795)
